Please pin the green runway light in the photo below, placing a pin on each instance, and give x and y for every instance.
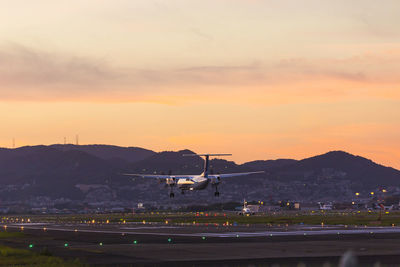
(203, 238)
(30, 245)
(135, 242)
(100, 244)
(66, 245)
(169, 239)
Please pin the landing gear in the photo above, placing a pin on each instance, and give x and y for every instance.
(171, 188)
(216, 194)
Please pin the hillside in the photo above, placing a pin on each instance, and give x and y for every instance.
(129, 154)
(94, 173)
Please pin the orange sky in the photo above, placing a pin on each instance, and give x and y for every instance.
(259, 79)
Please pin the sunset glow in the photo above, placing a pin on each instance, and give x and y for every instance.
(259, 79)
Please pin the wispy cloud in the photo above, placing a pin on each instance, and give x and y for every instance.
(27, 73)
(23, 65)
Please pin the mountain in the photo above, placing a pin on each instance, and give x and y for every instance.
(355, 168)
(43, 170)
(108, 152)
(93, 173)
(260, 165)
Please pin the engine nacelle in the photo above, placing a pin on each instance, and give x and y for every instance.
(215, 181)
(170, 181)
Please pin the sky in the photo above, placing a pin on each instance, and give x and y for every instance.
(261, 79)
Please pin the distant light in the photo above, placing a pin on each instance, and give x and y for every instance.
(30, 245)
(93, 221)
(203, 237)
(384, 191)
(169, 239)
(357, 194)
(135, 242)
(76, 230)
(237, 235)
(66, 245)
(107, 221)
(100, 243)
(372, 193)
(353, 202)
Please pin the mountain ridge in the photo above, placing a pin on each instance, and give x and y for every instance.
(55, 171)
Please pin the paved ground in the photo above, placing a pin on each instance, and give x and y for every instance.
(163, 244)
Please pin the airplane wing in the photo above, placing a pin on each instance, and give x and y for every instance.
(157, 176)
(226, 175)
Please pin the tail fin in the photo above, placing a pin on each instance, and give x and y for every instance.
(207, 160)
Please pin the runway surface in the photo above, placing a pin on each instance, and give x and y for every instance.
(210, 230)
(152, 244)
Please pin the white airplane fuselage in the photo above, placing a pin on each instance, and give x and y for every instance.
(193, 183)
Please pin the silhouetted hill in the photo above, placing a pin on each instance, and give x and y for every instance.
(268, 164)
(169, 162)
(355, 168)
(93, 173)
(47, 171)
(129, 154)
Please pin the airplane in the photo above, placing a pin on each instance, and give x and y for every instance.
(193, 182)
(245, 210)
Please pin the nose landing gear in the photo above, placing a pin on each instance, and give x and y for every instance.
(171, 195)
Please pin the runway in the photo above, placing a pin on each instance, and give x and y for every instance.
(108, 244)
(156, 229)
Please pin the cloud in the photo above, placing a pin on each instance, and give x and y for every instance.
(22, 65)
(29, 74)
